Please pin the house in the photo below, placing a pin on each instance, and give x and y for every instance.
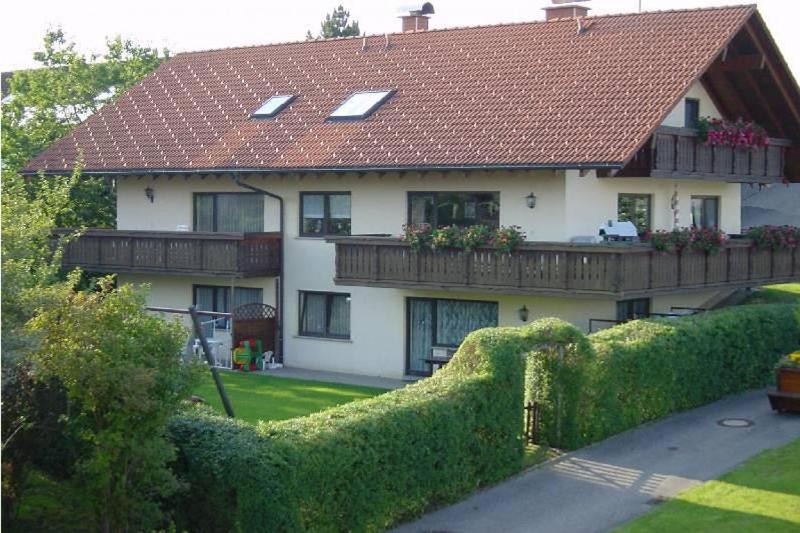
(275, 173)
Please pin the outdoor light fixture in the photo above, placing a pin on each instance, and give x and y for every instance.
(523, 313)
(531, 200)
(149, 193)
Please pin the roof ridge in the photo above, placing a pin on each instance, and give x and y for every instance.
(752, 7)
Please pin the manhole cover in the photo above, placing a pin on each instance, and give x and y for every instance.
(735, 423)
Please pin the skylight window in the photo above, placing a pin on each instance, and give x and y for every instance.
(360, 105)
(272, 106)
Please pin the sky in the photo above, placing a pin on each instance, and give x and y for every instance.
(200, 24)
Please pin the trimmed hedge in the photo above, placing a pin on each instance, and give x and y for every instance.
(647, 369)
(366, 465)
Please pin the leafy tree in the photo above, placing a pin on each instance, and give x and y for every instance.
(47, 102)
(30, 261)
(337, 24)
(123, 378)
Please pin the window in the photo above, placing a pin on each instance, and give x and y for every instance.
(324, 213)
(229, 212)
(360, 105)
(691, 110)
(633, 309)
(454, 208)
(705, 211)
(635, 208)
(433, 322)
(325, 314)
(217, 298)
(273, 106)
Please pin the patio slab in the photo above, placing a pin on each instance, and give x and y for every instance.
(336, 377)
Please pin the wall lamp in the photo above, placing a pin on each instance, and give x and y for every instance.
(531, 200)
(523, 313)
(150, 194)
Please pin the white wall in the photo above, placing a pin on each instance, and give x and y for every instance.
(593, 200)
(676, 117)
(567, 205)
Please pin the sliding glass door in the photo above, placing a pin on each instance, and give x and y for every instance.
(437, 322)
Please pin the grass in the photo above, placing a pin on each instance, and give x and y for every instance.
(781, 293)
(257, 397)
(761, 495)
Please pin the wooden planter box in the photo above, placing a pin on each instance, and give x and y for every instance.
(787, 396)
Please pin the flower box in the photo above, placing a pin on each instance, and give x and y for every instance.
(787, 395)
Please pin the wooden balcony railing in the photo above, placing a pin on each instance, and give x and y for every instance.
(174, 252)
(615, 270)
(677, 152)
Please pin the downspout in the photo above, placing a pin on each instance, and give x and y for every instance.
(283, 258)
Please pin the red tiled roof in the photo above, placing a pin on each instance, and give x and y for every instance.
(518, 94)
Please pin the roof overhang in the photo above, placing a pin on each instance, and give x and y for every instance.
(615, 165)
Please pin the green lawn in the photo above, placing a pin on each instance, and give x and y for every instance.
(761, 495)
(782, 293)
(257, 397)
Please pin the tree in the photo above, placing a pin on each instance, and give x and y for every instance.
(47, 102)
(30, 261)
(337, 24)
(120, 368)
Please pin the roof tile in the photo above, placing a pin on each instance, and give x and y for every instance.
(530, 93)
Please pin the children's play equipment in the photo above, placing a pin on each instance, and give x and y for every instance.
(254, 331)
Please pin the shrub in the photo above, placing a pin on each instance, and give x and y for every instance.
(123, 378)
(364, 465)
(417, 236)
(646, 369)
(446, 237)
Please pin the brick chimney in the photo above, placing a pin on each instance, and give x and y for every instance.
(417, 19)
(561, 10)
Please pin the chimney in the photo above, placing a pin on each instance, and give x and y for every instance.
(562, 10)
(417, 19)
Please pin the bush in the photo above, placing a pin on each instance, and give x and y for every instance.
(647, 369)
(364, 465)
(368, 464)
(120, 369)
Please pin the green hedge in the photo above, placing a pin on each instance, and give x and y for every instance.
(364, 465)
(646, 369)
(367, 464)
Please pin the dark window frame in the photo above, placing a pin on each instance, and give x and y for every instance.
(649, 198)
(435, 224)
(326, 212)
(706, 197)
(690, 120)
(214, 195)
(632, 302)
(434, 325)
(328, 310)
(224, 288)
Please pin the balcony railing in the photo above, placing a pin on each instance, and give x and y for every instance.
(615, 270)
(174, 252)
(677, 152)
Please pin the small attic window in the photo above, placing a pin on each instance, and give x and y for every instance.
(272, 106)
(360, 105)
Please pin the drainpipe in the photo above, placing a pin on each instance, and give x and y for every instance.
(283, 259)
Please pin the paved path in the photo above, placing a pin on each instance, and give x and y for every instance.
(602, 486)
(336, 377)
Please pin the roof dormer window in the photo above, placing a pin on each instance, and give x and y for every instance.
(272, 106)
(360, 105)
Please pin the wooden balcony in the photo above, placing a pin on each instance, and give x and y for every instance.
(174, 252)
(559, 269)
(677, 153)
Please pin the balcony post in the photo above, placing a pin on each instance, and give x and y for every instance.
(375, 263)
